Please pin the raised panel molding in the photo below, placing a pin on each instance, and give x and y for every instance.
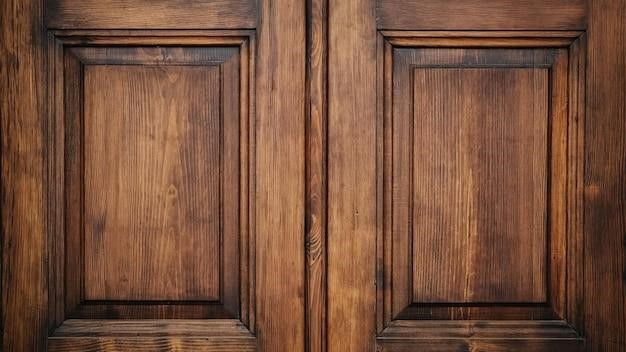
(151, 140)
(491, 124)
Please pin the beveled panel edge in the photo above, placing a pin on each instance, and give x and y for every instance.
(575, 44)
(56, 42)
(478, 329)
(482, 39)
(152, 327)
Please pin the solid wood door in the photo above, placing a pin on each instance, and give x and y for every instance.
(466, 194)
(170, 215)
(313, 175)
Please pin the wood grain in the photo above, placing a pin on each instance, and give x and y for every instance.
(193, 103)
(152, 328)
(479, 184)
(23, 204)
(174, 344)
(541, 84)
(351, 176)
(173, 14)
(316, 152)
(505, 335)
(605, 179)
(152, 183)
(280, 174)
(482, 15)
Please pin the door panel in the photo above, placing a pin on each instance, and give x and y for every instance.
(151, 146)
(473, 190)
(165, 144)
(312, 175)
(476, 173)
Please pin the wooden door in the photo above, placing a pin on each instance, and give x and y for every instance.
(467, 204)
(313, 175)
(169, 215)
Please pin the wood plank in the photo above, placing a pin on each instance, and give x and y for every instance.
(477, 329)
(491, 345)
(142, 344)
(147, 14)
(316, 151)
(352, 182)
(280, 175)
(482, 15)
(152, 328)
(23, 267)
(605, 178)
(496, 336)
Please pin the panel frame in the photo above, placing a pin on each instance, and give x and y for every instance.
(500, 15)
(85, 45)
(565, 152)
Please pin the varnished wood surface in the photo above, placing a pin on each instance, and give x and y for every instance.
(316, 152)
(178, 119)
(406, 109)
(152, 183)
(151, 328)
(23, 202)
(605, 179)
(479, 181)
(172, 14)
(481, 15)
(505, 335)
(143, 344)
(23, 284)
(280, 174)
(351, 176)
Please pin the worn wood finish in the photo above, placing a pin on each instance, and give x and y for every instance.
(605, 179)
(316, 151)
(23, 283)
(482, 15)
(168, 14)
(280, 175)
(351, 175)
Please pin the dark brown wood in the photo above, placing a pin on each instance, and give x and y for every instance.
(322, 274)
(482, 15)
(605, 179)
(168, 14)
(491, 244)
(547, 335)
(160, 165)
(351, 176)
(23, 283)
(316, 152)
(151, 335)
(429, 109)
(180, 117)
